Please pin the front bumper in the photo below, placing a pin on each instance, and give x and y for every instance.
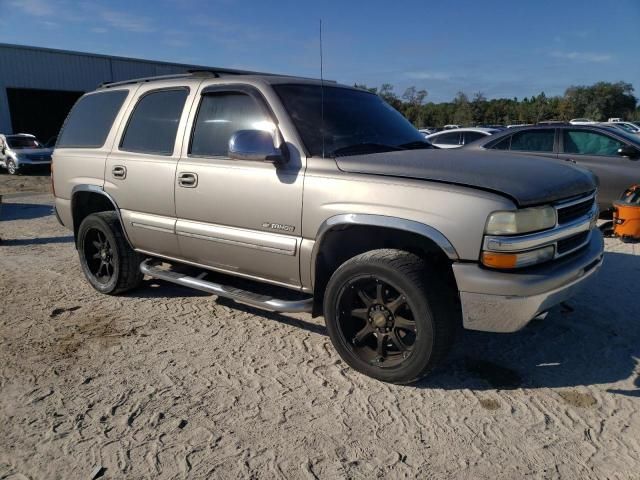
(494, 301)
(31, 163)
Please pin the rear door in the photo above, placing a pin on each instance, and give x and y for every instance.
(140, 171)
(238, 216)
(539, 141)
(598, 152)
(469, 137)
(447, 140)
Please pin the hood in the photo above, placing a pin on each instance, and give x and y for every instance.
(528, 181)
(32, 151)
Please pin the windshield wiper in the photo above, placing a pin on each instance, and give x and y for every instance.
(366, 147)
(416, 145)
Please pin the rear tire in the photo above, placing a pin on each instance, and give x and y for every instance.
(108, 262)
(389, 316)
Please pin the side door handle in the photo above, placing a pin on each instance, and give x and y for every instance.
(119, 172)
(188, 180)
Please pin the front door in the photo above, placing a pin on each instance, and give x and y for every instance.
(598, 152)
(140, 170)
(237, 216)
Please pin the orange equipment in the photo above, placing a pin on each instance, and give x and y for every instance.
(626, 215)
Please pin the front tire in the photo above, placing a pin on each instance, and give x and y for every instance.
(108, 262)
(389, 316)
(12, 168)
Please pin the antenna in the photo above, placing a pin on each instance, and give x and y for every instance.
(321, 91)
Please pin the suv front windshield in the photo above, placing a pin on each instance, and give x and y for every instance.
(17, 143)
(355, 121)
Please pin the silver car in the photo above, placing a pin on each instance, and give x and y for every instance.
(22, 151)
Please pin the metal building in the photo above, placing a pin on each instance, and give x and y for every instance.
(38, 85)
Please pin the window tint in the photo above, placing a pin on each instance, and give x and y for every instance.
(220, 116)
(503, 144)
(153, 124)
(452, 138)
(352, 119)
(472, 136)
(90, 119)
(533, 140)
(590, 143)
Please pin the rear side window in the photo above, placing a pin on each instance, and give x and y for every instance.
(90, 120)
(590, 143)
(503, 144)
(220, 116)
(447, 139)
(472, 137)
(533, 141)
(154, 122)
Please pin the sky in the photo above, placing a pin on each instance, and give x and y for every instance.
(500, 48)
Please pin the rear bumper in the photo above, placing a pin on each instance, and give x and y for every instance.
(506, 301)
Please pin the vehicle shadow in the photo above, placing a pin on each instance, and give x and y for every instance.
(24, 211)
(154, 288)
(317, 328)
(35, 241)
(594, 339)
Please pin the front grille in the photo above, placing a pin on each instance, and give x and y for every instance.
(575, 211)
(567, 244)
(39, 158)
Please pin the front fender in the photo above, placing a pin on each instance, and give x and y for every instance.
(309, 254)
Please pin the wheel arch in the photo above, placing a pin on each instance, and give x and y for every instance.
(88, 199)
(344, 236)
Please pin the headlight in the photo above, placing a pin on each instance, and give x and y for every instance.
(521, 221)
(517, 260)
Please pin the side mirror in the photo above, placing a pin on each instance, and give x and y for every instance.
(629, 152)
(256, 145)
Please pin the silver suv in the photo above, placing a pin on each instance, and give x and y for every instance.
(329, 192)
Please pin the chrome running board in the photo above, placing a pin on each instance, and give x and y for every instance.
(151, 267)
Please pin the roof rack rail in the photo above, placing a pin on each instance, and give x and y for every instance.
(214, 72)
(143, 79)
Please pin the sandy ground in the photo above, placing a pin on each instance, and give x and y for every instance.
(168, 383)
(37, 181)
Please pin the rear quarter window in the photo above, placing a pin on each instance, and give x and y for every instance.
(533, 141)
(90, 120)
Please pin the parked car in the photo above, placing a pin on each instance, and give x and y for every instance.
(328, 192)
(450, 127)
(458, 137)
(628, 126)
(552, 122)
(427, 130)
(22, 151)
(494, 127)
(582, 121)
(610, 153)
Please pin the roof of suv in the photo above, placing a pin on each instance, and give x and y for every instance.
(226, 74)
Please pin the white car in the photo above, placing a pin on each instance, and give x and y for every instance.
(22, 151)
(628, 126)
(459, 137)
(451, 127)
(582, 121)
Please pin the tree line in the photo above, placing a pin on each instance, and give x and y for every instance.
(598, 102)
